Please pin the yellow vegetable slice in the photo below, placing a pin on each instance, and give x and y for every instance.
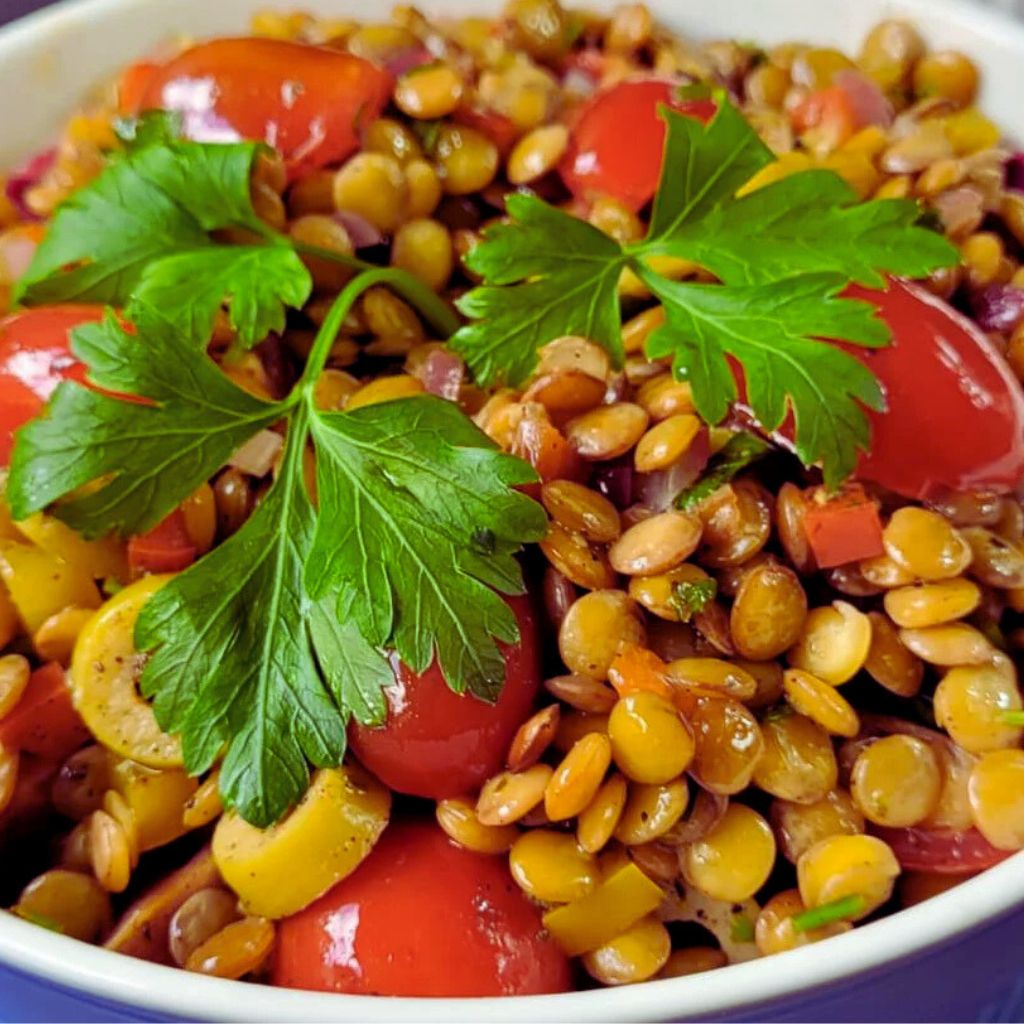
(279, 870)
(95, 558)
(9, 620)
(104, 682)
(156, 798)
(615, 905)
(41, 584)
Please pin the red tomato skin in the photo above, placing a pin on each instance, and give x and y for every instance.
(309, 102)
(421, 917)
(44, 722)
(955, 417)
(165, 548)
(942, 850)
(618, 139)
(34, 359)
(439, 744)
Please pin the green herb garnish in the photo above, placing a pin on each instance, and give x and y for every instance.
(828, 913)
(740, 451)
(265, 648)
(145, 231)
(783, 253)
(1014, 718)
(690, 597)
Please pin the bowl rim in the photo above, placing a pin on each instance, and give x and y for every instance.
(138, 984)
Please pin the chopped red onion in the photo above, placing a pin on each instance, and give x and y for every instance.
(406, 60)
(16, 251)
(442, 372)
(707, 811)
(28, 176)
(615, 481)
(867, 100)
(579, 82)
(1015, 172)
(273, 356)
(999, 307)
(658, 490)
(361, 232)
(257, 456)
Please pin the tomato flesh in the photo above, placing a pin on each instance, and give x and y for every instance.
(308, 102)
(421, 917)
(618, 139)
(34, 358)
(165, 548)
(440, 744)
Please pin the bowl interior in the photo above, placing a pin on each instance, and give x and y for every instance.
(47, 63)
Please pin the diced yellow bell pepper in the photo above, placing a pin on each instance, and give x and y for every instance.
(157, 800)
(104, 681)
(41, 584)
(279, 870)
(615, 905)
(97, 558)
(787, 164)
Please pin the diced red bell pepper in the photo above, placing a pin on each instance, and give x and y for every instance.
(44, 722)
(166, 548)
(843, 528)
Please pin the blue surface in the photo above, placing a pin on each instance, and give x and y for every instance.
(978, 978)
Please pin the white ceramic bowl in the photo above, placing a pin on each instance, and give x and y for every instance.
(927, 963)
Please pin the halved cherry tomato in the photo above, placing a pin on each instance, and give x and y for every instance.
(133, 83)
(440, 744)
(497, 127)
(44, 722)
(421, 917)
(618, 138)
(309, 102)
(843, 528)
(34, 359)
(166, 548)
(955, 418)
(942, 850)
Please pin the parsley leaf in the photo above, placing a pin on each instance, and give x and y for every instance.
(396, 530)
(770, 330)
(234, 669)
(262, 651)
(788, 222)
(141, 231)
(783, 254)
(732, 458)
(147, 456)
(548, 274)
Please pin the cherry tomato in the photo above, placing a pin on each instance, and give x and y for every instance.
(618, 138)
(166, 548)
(34, 359)
(942, 850)
(421, 917)
(440, 744)
(308, 102)
(955, 418)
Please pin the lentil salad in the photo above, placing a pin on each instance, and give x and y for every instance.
(650, 619)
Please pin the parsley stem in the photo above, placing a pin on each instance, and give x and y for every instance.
(434, 309)
(828, 913)
(328, 332)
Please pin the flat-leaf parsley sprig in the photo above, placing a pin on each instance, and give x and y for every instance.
(263, 650)
(783, 255)
(149, 229)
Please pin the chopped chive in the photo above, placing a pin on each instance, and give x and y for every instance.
(689, 598)
(1012, 718)
(741, 928)
(828, 913)
(738, 452)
